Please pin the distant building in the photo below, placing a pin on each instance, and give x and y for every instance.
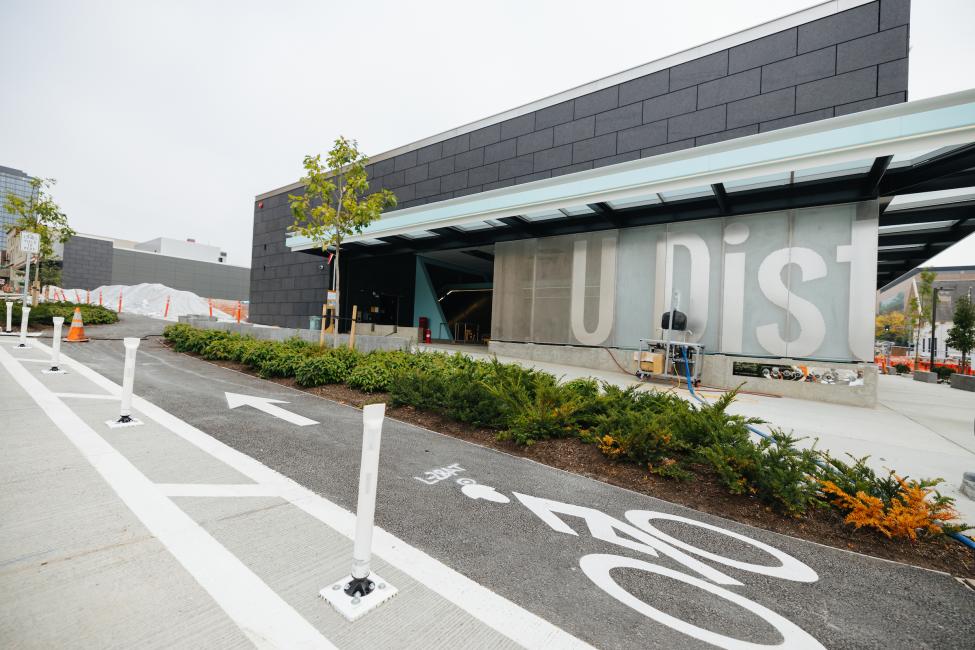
(952, 282)
(91, 261)
(187, 249)
(16, 182)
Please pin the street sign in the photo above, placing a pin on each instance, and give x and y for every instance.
(30, 242)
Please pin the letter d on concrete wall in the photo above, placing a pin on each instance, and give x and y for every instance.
(606, 296)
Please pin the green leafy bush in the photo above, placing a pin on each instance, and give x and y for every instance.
(944, 372)
(329, 367)
(44, 313)
(902, 368)
(375, 371)
(228, 348)
(774, 470)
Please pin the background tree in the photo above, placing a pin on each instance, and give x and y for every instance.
(920, 308)
(334, 205)
(40, 214)
(961, 336)
(892, 326)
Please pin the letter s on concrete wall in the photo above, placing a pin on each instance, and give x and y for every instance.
(812, 327)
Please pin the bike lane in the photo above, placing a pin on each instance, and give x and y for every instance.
(612, 567)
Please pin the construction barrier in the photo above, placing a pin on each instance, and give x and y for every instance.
(77, 332)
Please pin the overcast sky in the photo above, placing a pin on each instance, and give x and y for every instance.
(166, 118)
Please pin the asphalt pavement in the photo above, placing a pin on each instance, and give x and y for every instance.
(610, 567)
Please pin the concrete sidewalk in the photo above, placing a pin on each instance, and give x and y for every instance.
(917, 429)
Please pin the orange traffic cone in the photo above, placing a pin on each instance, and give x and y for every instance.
(77, 332)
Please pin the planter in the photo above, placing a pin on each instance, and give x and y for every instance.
(926, 377)
(963, 382)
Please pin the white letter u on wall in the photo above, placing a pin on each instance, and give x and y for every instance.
(607, 292)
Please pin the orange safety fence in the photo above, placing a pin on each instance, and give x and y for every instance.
(922, 364)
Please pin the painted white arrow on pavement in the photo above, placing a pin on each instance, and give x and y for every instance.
(267, 405)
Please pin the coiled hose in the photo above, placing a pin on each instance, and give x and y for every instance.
(964, 539)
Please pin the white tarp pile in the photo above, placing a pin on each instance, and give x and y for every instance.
(144, 299)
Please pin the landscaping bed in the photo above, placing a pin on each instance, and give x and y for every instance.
(42, 315)
(652, 443)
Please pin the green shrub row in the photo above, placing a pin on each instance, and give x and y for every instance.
(44, 313)
(658, 430)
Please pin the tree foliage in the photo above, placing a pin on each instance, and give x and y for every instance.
(40, 214)
(961, 336)
(892, 326)
(920, 307)
(335, 203)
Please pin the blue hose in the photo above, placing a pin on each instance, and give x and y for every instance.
(964, 539)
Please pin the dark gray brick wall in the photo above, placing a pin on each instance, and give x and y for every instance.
(87, 263)
(848, 62)
(206, 279)
(285, 288)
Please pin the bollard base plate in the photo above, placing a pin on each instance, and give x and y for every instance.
(342, 603)
(115, 424)
(54, 371)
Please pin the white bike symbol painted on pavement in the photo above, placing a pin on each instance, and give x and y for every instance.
(639, 534)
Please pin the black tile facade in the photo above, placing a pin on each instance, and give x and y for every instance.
(87, 263)
(851, 61)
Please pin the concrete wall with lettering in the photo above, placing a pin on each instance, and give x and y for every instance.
(797, 283)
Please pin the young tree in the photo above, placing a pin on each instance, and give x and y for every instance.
(40, 214)
(334, 205)
(920, 308)
(961, 336)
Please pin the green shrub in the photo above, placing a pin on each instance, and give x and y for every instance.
(902, 368)
(229, 348)
(283, 362)
(944, 372)
(332, 366)
(257, 353)
(44, 313)
(856, 477)
(774, 470)
(534, 406)
(374, 372)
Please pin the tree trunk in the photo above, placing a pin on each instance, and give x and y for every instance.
(335, 277)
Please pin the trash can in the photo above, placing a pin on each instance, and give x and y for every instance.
(315, 323)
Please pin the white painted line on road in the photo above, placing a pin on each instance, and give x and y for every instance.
(31, 360)
(266, 619)
(267, 405)
(497, 612)
(85, 396)
(217, 490)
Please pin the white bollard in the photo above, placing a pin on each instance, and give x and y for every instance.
(56, 345)
(24, 314)
(363, 590)
(128, 379)
(372, 431)
(10, 316)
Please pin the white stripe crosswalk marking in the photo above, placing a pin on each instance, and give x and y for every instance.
(266, 619)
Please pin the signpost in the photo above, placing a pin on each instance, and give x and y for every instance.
(30, 243)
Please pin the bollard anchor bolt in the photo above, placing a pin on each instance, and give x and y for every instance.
(360, 587)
